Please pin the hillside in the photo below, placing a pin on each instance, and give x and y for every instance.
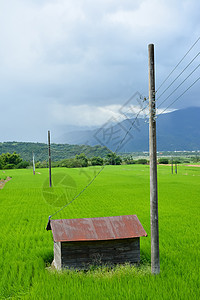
(58, 151)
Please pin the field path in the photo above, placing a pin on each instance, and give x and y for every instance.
(3, 182)
(193, 165)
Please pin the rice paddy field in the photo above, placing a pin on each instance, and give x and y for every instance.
(26, 248)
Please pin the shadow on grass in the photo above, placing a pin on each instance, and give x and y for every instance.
(145, 259)
(48, 258)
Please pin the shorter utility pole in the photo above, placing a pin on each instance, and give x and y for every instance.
(176, 170)
(172, 166)
(155, 260)
(33, 164)
(49, 158)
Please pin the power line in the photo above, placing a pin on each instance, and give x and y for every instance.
(132, 123)
(179, 96)
(179, 86)
(79, 193)
(178, 64)
(179, 75)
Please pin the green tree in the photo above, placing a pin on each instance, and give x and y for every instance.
(129, 160)
(142, 161)
(163, 160)
(82, 160)
(97, 161)
(1, 163)
(113, 159)
(9, 166)
(22, 165)
(9, 161)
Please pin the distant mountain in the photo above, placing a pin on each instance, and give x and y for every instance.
(178, 130)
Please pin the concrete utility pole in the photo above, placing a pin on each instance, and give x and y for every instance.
(155, 261)
(33, 164)
(49, 158)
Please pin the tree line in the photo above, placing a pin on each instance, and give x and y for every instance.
(14, 161)
(81, 160)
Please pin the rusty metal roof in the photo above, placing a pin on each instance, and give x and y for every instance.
(95, 229)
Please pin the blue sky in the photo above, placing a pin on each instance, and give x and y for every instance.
(73, 63)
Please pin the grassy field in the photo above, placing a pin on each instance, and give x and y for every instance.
(26, 249)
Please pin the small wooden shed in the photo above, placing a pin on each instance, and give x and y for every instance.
(79, 243)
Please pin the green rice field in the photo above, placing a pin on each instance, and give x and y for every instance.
(26, 249)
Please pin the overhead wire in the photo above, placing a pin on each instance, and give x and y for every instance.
(178, 75)
(179, 96)
(178, 86)
(128, 131)
(79, 193)
(178, 64)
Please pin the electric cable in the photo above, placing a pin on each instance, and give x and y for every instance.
(179, 96)
(178, 86)
(178, 76)
(178, 64)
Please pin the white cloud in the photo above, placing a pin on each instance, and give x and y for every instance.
(85, 115)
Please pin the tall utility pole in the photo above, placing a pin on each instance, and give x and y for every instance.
(172, 165)
(49, 158)
(155, 261)
(33, 164)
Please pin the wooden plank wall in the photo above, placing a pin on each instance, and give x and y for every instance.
(83, 254)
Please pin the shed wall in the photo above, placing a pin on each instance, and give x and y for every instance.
(57, 255)
(83, 254)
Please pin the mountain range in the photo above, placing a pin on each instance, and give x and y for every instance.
(177, 130)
